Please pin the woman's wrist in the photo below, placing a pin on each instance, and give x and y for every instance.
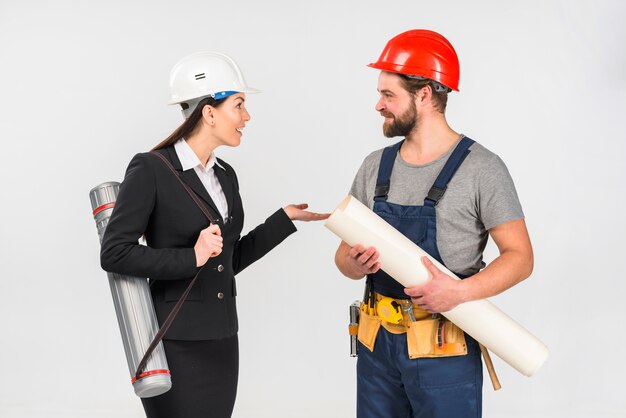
(289, 211)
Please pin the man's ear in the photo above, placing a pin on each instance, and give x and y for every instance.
(424, 94)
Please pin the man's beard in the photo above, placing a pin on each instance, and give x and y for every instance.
(401, 125)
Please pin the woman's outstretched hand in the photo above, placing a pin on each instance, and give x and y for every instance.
(298, 213)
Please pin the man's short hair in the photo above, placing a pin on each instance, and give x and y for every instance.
(412, 85)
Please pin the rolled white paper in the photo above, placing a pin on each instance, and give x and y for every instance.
(355, 223)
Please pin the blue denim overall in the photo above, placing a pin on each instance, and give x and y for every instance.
(389, 384)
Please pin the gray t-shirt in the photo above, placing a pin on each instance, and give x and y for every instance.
(480, 196)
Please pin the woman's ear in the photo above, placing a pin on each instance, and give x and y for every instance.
(208, 114)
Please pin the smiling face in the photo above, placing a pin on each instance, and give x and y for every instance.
(396, 105)
(229, 120)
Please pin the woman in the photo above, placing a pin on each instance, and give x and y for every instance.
(201, 345)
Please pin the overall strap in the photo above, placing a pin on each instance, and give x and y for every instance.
(384, 171)
(455, 160)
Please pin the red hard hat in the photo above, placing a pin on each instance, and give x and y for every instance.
(422, 53)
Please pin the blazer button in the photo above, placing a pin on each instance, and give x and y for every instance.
(220, 268)
(220, 295)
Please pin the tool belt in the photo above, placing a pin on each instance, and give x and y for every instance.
(427, 335)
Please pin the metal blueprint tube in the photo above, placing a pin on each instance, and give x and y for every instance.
(133, 307)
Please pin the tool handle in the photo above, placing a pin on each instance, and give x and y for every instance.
(490, 369)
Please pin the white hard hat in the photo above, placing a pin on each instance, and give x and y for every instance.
(206, 74)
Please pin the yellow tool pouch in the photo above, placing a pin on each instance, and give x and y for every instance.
(369, 325)
(435, 338)
(426, 336)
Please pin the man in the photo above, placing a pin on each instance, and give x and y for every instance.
(448, 194)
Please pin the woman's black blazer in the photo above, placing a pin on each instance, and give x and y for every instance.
(152, 203)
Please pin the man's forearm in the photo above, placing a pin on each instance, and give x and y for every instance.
(507, 270)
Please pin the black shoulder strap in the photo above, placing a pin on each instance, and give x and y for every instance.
(384, 171)
(187, 188)
(172, 315)
(455, 160)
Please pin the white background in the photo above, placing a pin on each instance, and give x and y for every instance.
(84, 87)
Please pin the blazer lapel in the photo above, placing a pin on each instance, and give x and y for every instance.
(228, 186)
(191, 178)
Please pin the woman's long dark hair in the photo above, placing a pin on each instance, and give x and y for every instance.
(189, 125)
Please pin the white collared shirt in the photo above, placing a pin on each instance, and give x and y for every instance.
(189, 159)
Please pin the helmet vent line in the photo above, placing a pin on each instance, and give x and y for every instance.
(200, 76)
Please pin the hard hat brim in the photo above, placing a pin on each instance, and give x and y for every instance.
(405, 70)
(247, 90)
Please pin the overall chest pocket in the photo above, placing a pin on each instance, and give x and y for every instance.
(413, 221)
(414, 228)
